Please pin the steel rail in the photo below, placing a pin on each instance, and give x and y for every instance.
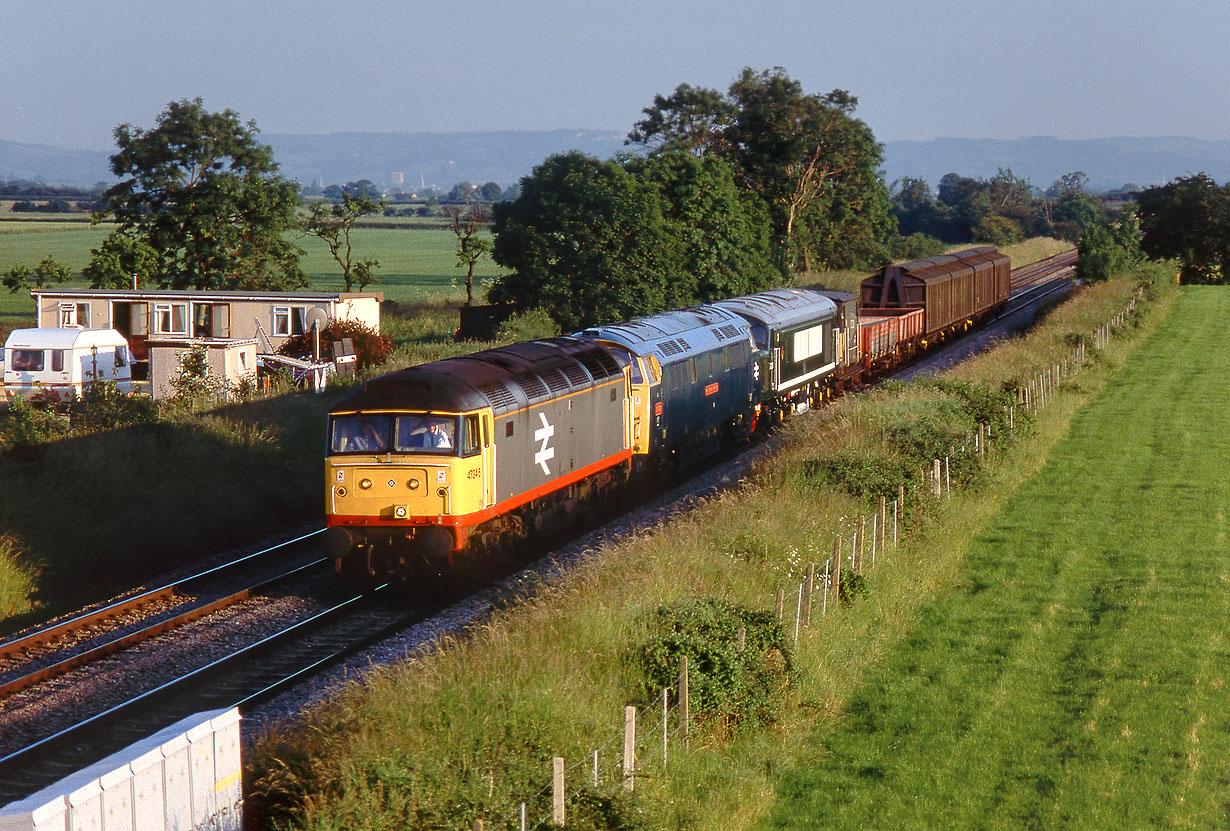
(149, 632)
(43, 635)
(176, 684)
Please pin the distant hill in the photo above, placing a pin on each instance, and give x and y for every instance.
(443, 159)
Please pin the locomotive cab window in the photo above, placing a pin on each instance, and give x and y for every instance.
(470, 435)
(426, 433)
(359, 434)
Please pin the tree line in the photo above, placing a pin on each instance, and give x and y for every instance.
(718, 194)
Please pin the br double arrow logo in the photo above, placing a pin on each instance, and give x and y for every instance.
(543, 435)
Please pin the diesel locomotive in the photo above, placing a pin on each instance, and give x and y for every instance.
(446, 470)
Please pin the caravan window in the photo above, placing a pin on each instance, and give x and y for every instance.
(57, 360)
(289, 320)
(171, 318)
(27, 360)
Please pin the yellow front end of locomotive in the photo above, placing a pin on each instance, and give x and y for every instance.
(400, 470)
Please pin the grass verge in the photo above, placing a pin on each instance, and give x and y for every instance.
(468, 731)
(1075, 676)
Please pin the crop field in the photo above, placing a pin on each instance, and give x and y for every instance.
(1077, 676)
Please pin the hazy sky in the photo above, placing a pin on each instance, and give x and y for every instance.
(73, 69)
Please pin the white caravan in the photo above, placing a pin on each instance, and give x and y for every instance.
(58, 364)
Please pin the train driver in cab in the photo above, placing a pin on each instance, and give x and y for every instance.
(428, 432)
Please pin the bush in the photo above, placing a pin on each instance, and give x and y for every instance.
(30, 425)
(104, 407)
(371, 348)
(918, 246)
(530, 325)
(865, 475)
(737, 687)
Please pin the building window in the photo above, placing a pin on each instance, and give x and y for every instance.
(170, 319)
(74, 314)
(289, 320)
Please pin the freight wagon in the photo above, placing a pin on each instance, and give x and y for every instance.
(953, 290)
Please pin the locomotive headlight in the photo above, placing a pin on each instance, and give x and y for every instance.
(365, 483)
(413, 484)
(399, 511)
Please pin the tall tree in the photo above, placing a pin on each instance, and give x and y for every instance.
(691, 119)
(801, 151)
(1188, 220)
(122, 261)
(724, 229)
(208, 198)
(333, 222)
(468, 223)
(587, 242)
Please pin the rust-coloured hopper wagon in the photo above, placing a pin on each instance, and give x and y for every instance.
(953, 290)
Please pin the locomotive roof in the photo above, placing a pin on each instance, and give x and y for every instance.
(506, 379)
(782, 307)
(675, 336)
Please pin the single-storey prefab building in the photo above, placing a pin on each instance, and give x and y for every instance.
(229, 363)
(142, 315)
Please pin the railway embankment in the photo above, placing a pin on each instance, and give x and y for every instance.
(472, 729)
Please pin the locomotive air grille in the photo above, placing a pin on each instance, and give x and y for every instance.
(575, 374)
(498, 395)
(670, 347)
(555, 379)
(597, 367)
(533, 386)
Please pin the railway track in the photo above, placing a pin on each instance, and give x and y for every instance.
(110, 628)
(1061, 265)
(244, 676)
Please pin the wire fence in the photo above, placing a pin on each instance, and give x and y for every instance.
(652, 734)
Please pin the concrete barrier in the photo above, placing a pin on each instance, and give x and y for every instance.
(186, 776)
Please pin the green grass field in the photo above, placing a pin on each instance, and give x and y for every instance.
(416, 265)
(1077, 677)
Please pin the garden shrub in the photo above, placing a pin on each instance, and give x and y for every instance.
(371, 348)
(104, 407)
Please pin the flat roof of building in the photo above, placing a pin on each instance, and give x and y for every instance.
(156, 294)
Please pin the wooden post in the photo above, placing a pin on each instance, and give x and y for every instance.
(825, 608)
(557, 790)
(947, 477)
(895, 508)
(629, 747)
(779, 602)
(935, 475)
(522, 814)
(594, 760)
(883, 523)
(875, 533)
(665, 725)
(837, 570)
(741, 639)
(811, 578)
(798, 614)
(861, 538)
(685, 719)
(478, 825)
